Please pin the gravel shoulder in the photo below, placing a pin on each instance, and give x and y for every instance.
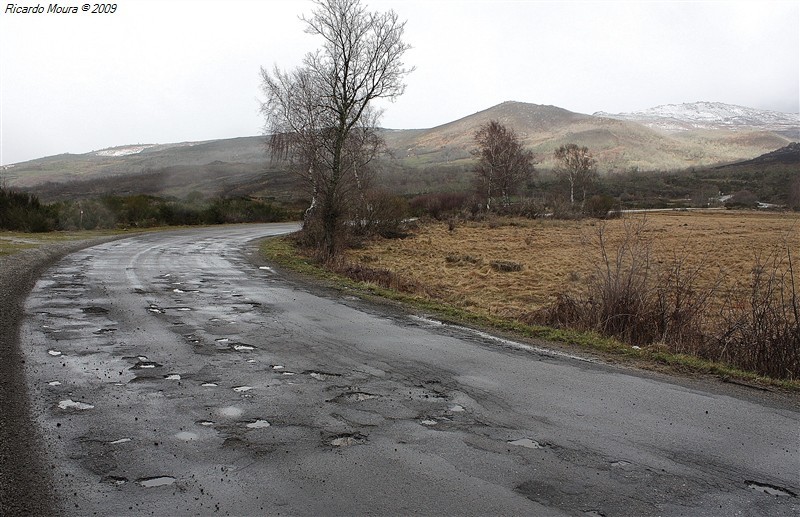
(25, 481)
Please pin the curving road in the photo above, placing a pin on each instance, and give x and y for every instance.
(170, 375)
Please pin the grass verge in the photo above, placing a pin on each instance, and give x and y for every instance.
(13, 242)
(283, 252)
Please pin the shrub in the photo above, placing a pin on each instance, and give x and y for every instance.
(439, 205)
(602, 207)
(631, 298)
(643, 302)
(761, 330)
(505, 266)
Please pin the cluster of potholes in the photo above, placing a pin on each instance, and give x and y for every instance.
(439, 420)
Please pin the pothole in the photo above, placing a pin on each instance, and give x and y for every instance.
(152, 482)
(145, 365)
(94, 310)
(258, 424)
(769, 489)
(527, 443)
(71, 404)
(346, 440)
(242, 389)
(115, 480)
(321, 376)
(355, 396)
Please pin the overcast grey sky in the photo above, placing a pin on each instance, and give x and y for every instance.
(160, 71)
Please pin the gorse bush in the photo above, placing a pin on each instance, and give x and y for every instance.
(20, 211)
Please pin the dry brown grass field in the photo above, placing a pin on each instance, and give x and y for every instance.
(557, 256)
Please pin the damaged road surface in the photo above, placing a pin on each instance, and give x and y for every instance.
(170, 375)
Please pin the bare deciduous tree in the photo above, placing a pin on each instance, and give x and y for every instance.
(320, 115)
(577, 165)
(503, 164)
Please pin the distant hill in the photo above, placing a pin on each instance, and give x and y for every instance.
(241, 165)
(618, 145)
(712, 116)
(788, 156)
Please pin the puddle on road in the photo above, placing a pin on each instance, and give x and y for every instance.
(104, 331)
(156, 481)
(242, 389)
(769, 489)
(321, 376)
(71, 404)
(209, 385)
(186, 436)
(54, 383)
(205, 423)
(115, 480)
(241, 347)
(428, 422)
(145, 365)
(120, 441)
(258, 424)
(527, 442)
(54, 353)
(455, 408)
(172, 377)
(620, 464)
(277, 367)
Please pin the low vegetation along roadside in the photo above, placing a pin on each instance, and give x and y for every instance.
(701, 292)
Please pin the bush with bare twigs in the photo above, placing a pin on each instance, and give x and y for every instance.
(645, 302)
(633, 298)
(761, 330)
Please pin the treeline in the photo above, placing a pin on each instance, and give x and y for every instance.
(20, 211)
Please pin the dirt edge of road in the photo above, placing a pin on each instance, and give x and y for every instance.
(25, 481)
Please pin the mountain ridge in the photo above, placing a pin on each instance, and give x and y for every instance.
(618, 145)
(705, 115)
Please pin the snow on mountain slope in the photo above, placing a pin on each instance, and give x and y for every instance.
(709, 115)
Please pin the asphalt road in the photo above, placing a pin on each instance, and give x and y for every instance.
(170, 375)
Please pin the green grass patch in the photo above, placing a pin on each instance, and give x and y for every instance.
(283, 252)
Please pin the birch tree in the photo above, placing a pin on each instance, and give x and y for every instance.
(578, 167)
(503, 163)
(321, 116)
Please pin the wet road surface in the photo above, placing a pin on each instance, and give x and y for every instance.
(171, 376)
